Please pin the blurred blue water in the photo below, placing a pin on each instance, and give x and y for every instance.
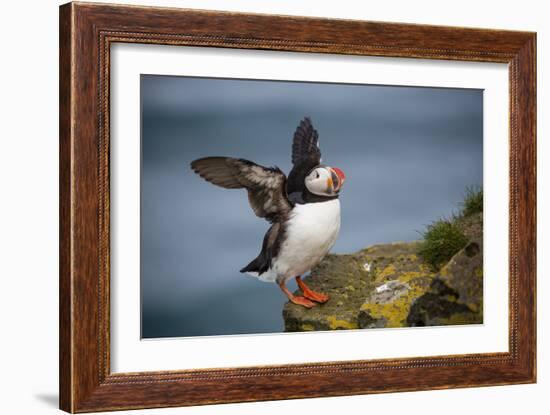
(408, 154)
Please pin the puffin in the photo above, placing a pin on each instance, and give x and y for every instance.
(303, 210)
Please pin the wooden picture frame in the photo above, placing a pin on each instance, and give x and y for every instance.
(86, 33)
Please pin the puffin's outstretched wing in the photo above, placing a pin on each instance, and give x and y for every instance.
(305, 155)
(265, 185)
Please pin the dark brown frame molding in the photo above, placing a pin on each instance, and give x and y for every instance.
(86, 33)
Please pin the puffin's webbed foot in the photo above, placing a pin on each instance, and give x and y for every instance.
(303, 301)
(309, 293)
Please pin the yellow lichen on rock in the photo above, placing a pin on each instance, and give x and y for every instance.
(408, 276)
(386, 272)
(395, 313)
(336, 324)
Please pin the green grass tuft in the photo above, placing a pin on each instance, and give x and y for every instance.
(473, 201)
(442, 239)
(445, 237)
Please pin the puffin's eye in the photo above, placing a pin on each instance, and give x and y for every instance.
(316, 174)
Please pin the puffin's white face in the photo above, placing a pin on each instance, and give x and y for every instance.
(325, 181)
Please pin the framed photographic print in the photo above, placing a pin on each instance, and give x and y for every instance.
(258, 207)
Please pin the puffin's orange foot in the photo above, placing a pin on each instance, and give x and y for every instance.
(309, 293)
(302, 301)
(315, 296)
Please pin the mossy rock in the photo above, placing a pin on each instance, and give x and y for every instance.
(471, 226)
(350, 279)
(345, 280)
(402, 278)
(456, 295)
(390, 304)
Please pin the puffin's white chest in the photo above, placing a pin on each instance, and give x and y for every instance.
(311, 232)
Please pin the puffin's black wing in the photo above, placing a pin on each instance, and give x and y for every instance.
(265, 185)
(305, 155)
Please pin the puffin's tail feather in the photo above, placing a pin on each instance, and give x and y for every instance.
(262, 262)
(257, 269)
(258, 265)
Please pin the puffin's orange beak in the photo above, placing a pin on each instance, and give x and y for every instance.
(341, 178)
